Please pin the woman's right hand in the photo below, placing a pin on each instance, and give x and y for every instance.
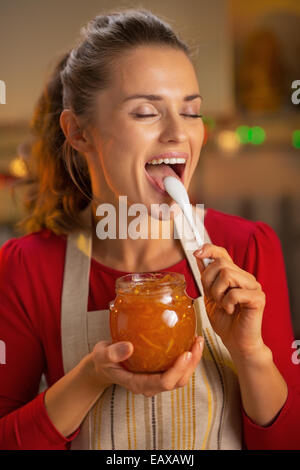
(107, 370)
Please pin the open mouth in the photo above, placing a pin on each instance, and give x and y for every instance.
(157, 173)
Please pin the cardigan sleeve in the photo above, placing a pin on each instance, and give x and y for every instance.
(264, 259)
(24, 422)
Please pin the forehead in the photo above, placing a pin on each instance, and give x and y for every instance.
(154, 69)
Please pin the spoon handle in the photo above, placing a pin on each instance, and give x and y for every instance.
(187, 211)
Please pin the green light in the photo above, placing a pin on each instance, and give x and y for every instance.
(296, 139)
(251, 135)
(258, 135)
(210, 122)
(242, 133)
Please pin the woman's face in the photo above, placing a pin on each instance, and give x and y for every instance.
(147, 113)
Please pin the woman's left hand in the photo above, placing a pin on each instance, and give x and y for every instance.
(234, 301)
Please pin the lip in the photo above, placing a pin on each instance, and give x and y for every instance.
(166, 155)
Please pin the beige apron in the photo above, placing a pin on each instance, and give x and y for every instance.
(205, 414)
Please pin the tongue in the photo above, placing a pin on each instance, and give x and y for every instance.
(159, 172)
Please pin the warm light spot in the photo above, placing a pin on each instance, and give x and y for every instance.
(228, 141)
(17, 167)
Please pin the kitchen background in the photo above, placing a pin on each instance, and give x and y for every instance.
(247, 57)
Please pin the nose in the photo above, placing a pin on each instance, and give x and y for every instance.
(173, 129)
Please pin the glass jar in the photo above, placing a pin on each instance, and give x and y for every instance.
(154, 313)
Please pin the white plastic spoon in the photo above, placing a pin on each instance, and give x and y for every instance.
(177, 191)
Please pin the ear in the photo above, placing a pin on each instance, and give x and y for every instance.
(73, 133)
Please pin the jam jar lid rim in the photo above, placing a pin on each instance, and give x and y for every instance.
(178, 279)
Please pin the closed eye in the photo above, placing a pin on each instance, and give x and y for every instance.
(195, 116)
(144, 115)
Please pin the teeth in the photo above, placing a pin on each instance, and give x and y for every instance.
(167, 160)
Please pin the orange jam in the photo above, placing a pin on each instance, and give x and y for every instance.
(154, 313)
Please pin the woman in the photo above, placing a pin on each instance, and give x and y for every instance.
(125, 95)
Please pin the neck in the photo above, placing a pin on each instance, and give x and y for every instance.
(134, 244)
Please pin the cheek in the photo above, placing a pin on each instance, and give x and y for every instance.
(128, 137)
(139, 134)
(197, 137)
(120, 152)
(200, 133)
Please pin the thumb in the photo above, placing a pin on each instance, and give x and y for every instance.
(120, 351)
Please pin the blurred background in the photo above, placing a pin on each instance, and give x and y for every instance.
(247, 56)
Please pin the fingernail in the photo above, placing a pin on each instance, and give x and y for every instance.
(188, 356)
(198, 252)
(121, 349)
(201, 343)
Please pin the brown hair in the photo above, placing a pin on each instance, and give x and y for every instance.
(58, 177)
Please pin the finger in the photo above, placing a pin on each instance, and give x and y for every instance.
(197, 352)
(226, 279)
(149, 385)
(211, 273)
(186, 362)
(105, 352)
(213, 251)
(107, 358)
(208, 250)
(248, 299)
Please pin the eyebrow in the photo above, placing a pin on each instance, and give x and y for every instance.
(159, 98)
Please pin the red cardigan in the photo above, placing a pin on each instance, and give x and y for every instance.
(31, 274)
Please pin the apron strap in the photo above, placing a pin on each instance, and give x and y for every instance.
(74, 303)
